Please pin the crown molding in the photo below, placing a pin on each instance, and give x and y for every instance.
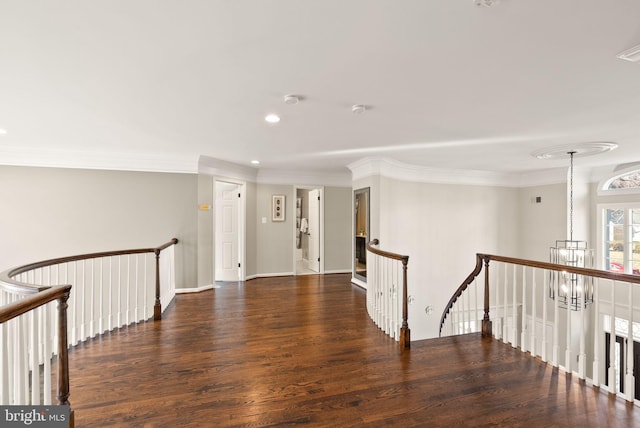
(217, 167)
(392, 168)
(307, 178)
(97, 160)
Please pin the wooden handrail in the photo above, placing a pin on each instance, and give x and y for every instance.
(468, 280)
(405, 332)
(624, 277)
(486, 258)
(29, 303)
(39, 295)
(382, 253)
(15, 309)
(8, 283)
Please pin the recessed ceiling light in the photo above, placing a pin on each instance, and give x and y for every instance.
(2, 131)
(255, 162)
(272, 118)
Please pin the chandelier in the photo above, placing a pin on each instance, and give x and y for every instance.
(573, 291)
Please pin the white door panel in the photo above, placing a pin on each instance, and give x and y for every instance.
(226, 232)
(314, 230)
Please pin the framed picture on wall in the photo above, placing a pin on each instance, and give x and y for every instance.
(277, 208)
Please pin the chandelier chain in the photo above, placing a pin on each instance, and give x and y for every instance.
(571, 197)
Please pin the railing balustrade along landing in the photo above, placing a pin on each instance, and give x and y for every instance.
(387, 301)
(99, 292)
(512, 302)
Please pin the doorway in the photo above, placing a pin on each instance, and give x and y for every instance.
(360, 232)
(309, 231)
(229, 243)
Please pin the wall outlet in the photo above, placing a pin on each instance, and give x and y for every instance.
(264, 220)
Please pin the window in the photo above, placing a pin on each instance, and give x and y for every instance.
(621, 243)
(627, 181)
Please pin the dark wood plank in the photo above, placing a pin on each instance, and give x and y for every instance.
(296, 351)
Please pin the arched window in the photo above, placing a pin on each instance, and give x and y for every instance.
(626, 181)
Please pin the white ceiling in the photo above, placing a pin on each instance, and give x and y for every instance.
(449, 85)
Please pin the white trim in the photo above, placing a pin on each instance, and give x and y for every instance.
(197, 289)
(216, 167)
(250, 277)
(270, 275)
(304, 178)
(329, 272)
(358, 282)
(392, 168)
(321, 220)
(76, 159)
(604, 183)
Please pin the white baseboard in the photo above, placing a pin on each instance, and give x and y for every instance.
(196, 290)
(359, 283)
(337, 271)
(269, 275)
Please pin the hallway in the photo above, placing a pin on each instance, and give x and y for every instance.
(302, 351)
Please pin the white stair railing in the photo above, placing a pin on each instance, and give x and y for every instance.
(110, 290)
(387, 292)
(518, 310)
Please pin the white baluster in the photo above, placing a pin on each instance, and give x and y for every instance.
(612, 341)
(110, 325)
(596, 335)
(582, 356)
(145, 306)
(128, 292)
(92, 291)
(514, 312)
(523, 334)
(4, 365)
(534, 298)
(137, 289)
(35, 357)
(119, 300)
(545, 288)
(101, 328)
(46, 331)
(630, 383)
(505, 316)
(556, 320)
(567, 353)
(83, 302)
(476, 318)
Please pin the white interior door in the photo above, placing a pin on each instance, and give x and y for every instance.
(227, 268)
(314, 230)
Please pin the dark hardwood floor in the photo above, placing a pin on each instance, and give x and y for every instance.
(302, 351)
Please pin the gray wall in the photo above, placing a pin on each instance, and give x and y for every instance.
(337, 229)
(541, 224)
(441, 227)
(55, 212)
(205, 231)
(274, 240)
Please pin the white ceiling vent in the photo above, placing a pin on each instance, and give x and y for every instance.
(632, 54)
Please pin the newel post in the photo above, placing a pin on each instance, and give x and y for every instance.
(157, 307)
(405, 333)
(486, 321)
(63, 356)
